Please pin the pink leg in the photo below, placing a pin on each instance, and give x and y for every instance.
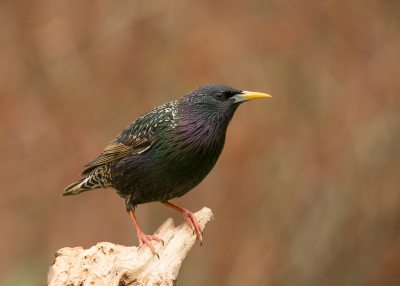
(144, 239)
(189, 217)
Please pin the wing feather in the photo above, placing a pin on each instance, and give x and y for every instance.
(135, 139)
(113, 152)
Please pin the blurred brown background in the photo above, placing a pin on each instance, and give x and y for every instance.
(307, 190)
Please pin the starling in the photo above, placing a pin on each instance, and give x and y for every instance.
(166, 152)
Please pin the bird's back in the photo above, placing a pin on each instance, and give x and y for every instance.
(156, 158)
(136, 139)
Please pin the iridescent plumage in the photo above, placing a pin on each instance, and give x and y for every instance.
(167, 151)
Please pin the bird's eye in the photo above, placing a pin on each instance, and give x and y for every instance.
(219, 95)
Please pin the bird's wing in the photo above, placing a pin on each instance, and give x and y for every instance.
(140, 136)
(117, 150)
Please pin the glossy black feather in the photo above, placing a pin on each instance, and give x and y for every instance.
(167, 151)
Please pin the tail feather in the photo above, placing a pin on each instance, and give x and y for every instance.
(75, 188)
(94, 180)
(86, 184)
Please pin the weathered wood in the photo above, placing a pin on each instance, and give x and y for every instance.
(109, 264)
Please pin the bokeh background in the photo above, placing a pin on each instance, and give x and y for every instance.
(307, 190)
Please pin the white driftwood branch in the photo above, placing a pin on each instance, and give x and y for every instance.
(108, 264)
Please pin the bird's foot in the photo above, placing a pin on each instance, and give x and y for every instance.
(193, 223)
(146, 239)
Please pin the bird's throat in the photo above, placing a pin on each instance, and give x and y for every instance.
(205, 137)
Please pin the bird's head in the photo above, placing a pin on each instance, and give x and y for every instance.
(216, 101)
(205, 114)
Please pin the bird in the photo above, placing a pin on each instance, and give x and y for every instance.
(166, 152)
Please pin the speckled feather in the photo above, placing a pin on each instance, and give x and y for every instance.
(166, 152)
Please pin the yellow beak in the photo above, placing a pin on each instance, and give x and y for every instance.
(249, 95)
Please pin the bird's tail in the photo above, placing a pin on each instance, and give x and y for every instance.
(86, 184)
(75, 188)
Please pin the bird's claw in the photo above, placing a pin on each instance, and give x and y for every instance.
(146, 239)
(193, 223)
